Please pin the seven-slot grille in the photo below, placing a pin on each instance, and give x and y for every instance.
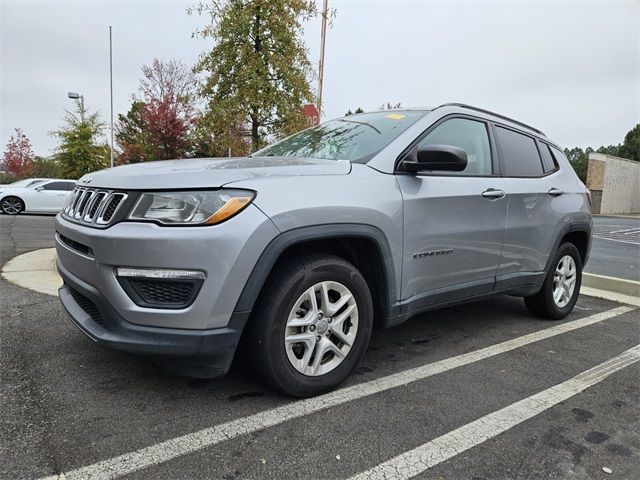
(92, 205)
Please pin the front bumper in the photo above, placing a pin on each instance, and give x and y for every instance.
(198, 353)
(225, 253)
(197, 340)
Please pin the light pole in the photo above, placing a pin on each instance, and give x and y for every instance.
(77, 96)
(111, 89)
(323, 41)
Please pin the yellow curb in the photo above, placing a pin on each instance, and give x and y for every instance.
(34, 270)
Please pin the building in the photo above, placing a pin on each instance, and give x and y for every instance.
(614, 183)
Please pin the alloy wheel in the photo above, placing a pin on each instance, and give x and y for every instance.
(321, 328)
(564, 281)
(11, 206)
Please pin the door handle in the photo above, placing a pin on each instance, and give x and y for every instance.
(493, 193)
(555, 192)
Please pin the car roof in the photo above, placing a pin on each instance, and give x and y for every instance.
(465, 108)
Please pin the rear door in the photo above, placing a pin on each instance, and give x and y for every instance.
(454, 222)
(537, 208)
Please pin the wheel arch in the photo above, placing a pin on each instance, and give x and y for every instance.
(365, 246)
(580, 235)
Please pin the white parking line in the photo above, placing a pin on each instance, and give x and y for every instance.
(192, 442)
(627, 231)
(420, 459)
(630, 242)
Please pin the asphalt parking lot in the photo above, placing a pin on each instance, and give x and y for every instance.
(479, 391)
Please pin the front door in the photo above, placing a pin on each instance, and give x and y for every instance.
(49, 197)
(454, 222)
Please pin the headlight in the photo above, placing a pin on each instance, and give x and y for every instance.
(190, 208)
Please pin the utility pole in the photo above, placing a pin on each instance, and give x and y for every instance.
(323, 40)
(111, 89)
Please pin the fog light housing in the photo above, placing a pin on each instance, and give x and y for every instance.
(160, 288)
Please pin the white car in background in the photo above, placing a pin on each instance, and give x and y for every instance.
(38, 196)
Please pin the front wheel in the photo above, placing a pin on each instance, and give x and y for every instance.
(561, 287)
(12, 205)
(312, 325)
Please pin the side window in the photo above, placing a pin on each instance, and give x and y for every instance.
(469, 135)
(69, 186)
(55, 186)
(557, 154)
(548, 162)
(520, 154)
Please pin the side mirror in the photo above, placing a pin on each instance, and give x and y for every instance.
(39, 189)
(444, 158)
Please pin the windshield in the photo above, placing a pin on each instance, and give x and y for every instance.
(27, 182)
(356, 138)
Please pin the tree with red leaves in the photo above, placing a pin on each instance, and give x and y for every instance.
(18, 157)
(158, 125)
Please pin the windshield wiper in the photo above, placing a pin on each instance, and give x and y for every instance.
(360, 123)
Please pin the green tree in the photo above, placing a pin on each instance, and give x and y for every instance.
(81, 150)
(258, 70)
(613, 150)
(390, 106)
(579, 160)
(46, 167)
(630, 148)
(132, 139)
(357, 110)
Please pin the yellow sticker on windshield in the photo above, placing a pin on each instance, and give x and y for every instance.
(395, 116)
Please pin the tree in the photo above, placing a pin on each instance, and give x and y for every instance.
(613, 150)
(630, 148)
(80, 150)
(228, 137)
(258, 70)
(357, 110)
(131, 136)
(390, 106)
(159, 123)
(18, 157)
(579, 160)
(46, 167)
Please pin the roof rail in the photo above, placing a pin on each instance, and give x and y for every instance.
(471, 107)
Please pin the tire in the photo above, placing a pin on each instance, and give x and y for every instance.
(12, 205)
(285, 309)
(543, 304)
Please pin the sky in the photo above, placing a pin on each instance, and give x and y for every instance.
(570, 68)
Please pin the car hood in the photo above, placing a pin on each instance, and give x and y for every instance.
(208, 172)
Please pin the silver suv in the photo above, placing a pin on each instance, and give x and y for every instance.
(296, 252)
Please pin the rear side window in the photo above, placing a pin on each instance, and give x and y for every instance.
(548, 161)
(557, 154)
(520, 154)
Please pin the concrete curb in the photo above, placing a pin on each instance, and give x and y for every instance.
(35, 270)
(613, 284)
(633, 216)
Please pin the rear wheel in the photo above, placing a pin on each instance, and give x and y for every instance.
(312, 325)
(561, 287)
(12, 205)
